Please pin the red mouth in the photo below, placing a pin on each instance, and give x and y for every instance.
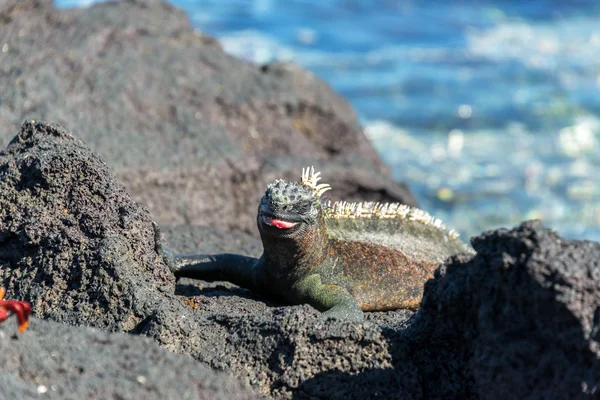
(277, 223)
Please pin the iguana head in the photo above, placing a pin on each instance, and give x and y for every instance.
(291, 209)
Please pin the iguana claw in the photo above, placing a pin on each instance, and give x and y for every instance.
(162, 250)
(21, 309)
(158, 241)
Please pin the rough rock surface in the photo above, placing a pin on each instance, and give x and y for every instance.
(194, 133)
(522, 316)
(57, 361)
(71, 236)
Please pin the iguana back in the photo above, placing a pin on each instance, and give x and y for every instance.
(385, 252)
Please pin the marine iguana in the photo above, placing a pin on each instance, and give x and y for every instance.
(341, 258)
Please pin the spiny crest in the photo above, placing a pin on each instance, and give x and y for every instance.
(276, 182)
(376, 210)
(311, 179)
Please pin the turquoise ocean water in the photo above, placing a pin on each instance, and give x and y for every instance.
(489, 110)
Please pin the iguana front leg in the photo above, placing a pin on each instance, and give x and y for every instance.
(334, 300)
(241, 270)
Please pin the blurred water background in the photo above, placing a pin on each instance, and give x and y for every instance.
(489, 110)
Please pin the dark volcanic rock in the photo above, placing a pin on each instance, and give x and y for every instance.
(72, 238)
(56, 361)
(523, 316)
(194, 133)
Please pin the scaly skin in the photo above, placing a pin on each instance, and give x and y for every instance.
(342, 259)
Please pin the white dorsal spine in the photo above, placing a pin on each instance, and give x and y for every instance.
(311, 179)
(369, 209)
(376, 210)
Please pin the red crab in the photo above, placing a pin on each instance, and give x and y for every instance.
(9, 307)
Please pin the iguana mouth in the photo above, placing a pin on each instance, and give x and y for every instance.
(277, 223)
